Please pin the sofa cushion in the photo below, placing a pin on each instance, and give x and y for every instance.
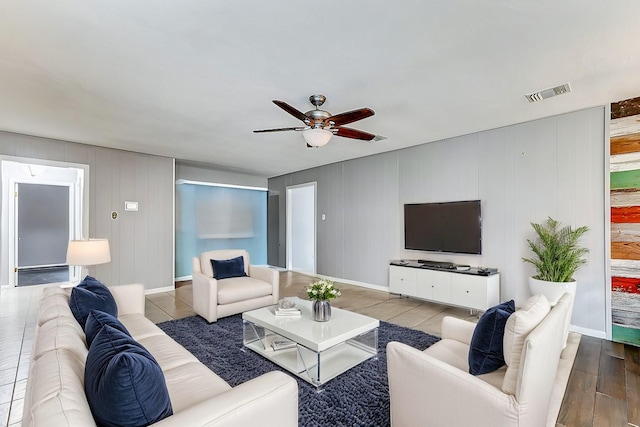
(241, 289)
(123, 382)
(53, 304)
(167, 353)
(228, 268)
(192, 383)
(96, 320)
(485, 350)
(91, 294)
(55, 394)
(60, 333)
(140, 327)
(516, 331)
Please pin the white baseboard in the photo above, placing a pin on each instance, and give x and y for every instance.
(183, 278)
(589, 332)
(159, 290)
(347, 281)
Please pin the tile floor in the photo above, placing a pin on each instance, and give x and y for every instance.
(18, 313)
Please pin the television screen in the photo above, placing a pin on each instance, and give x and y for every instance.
(454, 227)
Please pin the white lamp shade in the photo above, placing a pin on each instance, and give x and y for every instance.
(88, 252)
(316, 137)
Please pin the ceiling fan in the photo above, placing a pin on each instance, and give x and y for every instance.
(320, 125)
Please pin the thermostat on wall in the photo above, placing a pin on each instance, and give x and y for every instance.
(130, 206)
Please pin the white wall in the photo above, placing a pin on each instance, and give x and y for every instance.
(522, 173)
(203, 173)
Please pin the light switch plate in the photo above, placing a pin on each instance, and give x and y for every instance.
(131, 206)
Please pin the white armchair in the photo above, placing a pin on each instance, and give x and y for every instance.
(213, 299)
(434, 388)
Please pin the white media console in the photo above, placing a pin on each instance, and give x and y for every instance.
(446, 283)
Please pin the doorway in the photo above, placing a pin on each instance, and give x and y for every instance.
(44, 205)
(43, 221)
(301, 228)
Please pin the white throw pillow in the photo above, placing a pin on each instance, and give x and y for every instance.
(516, 331)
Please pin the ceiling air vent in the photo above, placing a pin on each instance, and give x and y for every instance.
(548, 93)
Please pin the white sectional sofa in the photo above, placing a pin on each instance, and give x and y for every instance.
(55, 389)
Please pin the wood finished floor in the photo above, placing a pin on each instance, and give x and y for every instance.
(603, 389)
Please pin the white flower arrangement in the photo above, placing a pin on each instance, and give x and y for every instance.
(322, 290)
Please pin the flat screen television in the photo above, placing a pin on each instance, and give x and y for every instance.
(454, 227)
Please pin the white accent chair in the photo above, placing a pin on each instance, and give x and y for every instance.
(434, 387)
(213, 299)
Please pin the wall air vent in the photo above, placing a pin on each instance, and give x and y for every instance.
(548, 93)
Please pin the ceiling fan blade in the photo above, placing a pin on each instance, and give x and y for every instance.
(350, 116)
(289, 109)
(353, 133)
(278, 130)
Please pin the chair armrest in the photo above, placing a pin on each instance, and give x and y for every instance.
(457, 329)
(205, 296)
(427, 391)
(271, 400)
(195, 265)
(129, 298)
(268, 275)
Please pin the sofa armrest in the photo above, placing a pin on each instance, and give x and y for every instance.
(271, 400)
(427, 391)
(268, 275)
(457, 329)
(129, 298)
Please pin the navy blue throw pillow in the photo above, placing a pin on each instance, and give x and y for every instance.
(227, 268)
(485, 352)
(89, 295)
(123, 382)
(96, 320)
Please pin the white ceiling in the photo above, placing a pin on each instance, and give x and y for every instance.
(191, 79)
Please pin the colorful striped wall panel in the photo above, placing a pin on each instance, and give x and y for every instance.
(625, 228)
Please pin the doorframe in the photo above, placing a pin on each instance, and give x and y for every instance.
(289, 218)
(79, 227)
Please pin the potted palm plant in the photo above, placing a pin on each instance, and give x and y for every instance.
(557, 256)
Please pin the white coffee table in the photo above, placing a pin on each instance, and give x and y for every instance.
(320, 350)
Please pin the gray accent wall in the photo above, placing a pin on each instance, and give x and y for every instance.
(141, 242)
(522, 173)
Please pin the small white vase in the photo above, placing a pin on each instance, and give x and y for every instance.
(552, 290)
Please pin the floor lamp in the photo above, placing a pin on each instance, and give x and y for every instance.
(88, 252)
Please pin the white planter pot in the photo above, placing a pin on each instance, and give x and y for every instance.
(552, 290)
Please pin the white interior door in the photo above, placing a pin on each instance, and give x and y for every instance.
(301, 228)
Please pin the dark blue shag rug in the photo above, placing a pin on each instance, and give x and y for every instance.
(359, 397)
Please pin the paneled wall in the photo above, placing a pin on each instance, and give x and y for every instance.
(522, 173)
(141, 242)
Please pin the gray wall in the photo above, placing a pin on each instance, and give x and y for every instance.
(141, 242)
(522, 173)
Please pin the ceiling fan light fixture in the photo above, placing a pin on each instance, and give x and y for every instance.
(317, 137)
